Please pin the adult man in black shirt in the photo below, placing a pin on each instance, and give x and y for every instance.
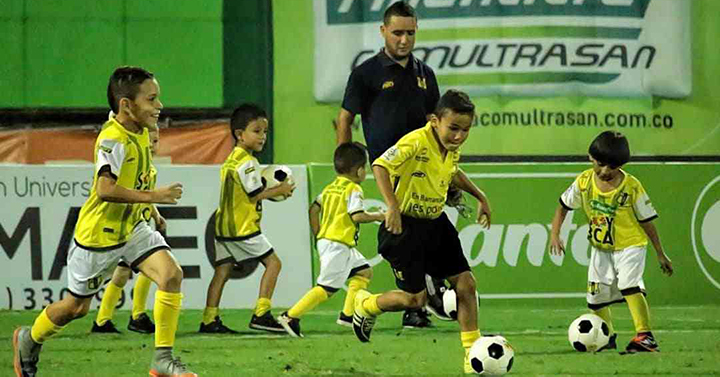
(394, 93)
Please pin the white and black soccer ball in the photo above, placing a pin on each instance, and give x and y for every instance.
(450, 305)
(273, 175)
(491, 356)
(588, 333)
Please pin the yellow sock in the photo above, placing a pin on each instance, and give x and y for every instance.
(44, 328)
(166, 313)
(263, 306)
(639, 311)
(468, 338)
(355, 284)
(371, 306)
(308, 302)
(111, 296)
(140, 295)
(209, 315)
(606, 315)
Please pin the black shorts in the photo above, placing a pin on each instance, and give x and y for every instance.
(424, 247)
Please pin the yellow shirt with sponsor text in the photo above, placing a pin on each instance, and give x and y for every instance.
(338, 202)
(420, 175)
(238, 218)
(614, 217)
(104, 225)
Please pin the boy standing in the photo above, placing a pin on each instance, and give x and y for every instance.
(337, 232)
(417, 238)
(237, 221)
(620, 217)
(111, 228)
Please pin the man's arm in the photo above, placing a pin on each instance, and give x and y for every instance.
(343, 126)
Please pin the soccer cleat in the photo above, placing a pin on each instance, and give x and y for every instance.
(291, 325)
(416, 319)
(107, 328)
(344, 320)
(216, 327)
(467, 367)
(363, 322)
(643, 342)
(27, 353)
(265, 322)
(611, 345)
(142, 324)
(171, 367)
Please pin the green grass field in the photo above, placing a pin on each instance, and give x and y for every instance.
(689, 338)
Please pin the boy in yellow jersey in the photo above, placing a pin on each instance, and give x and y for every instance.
(620, 217)
(237, 221)
(337, 232)
(111, 228)
(139, 320)
(417, 238)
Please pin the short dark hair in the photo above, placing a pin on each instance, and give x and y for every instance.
(399, 9)
(125, 83)
(349, 156)
(243, 115)
(455, 101)
(610, 147)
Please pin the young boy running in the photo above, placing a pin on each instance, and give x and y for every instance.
(337, 232)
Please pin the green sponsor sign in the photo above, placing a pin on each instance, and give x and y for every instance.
(511, 259)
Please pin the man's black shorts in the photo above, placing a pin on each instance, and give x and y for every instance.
(424, 247)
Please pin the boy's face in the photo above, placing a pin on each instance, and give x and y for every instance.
(154, 141)
(399, 35)
(253, 137)
(452, 129)
(604, 171)
(144, 110)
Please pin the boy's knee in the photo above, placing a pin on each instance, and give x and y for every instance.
(366, 273)
(81, 309)
(272, 262)
(416, 301)
(171, 277)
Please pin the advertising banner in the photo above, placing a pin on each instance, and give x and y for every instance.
(41, 205)
(615, 48)
(511, 260)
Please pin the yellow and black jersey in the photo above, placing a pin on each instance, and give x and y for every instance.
(338, 202)
(126, 156)
(238, 218)
(148, 208)
(420, 175)
(614, 217)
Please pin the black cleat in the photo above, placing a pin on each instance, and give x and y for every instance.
(344, 320)
(644, 342)
(416, 319)
(142, 324)
(363, 322)
(107, 328)
(266, 322)
(612, 344)
(26, 353)
(216, 327)
(291, 325)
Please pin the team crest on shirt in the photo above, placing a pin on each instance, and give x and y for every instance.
(422, 156)
(388, 84)
(418, 174)
(422, 83)
(622, 198)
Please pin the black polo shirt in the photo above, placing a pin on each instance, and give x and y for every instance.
(391, 100)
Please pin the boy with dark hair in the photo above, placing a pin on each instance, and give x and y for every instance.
(335, 218)
(111, 228)
(620, 217)
(417, 238)
(237, 221)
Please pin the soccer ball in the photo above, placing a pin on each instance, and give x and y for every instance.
(491, 356)
(273, 175)
(450, 303)
(244, 268)
(588, 332)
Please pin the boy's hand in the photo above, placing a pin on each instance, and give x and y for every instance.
(160, 223)
(556, 245)
(665, 264)
(484, 214)
(393, 222)
(286, 188)
(169, 194)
